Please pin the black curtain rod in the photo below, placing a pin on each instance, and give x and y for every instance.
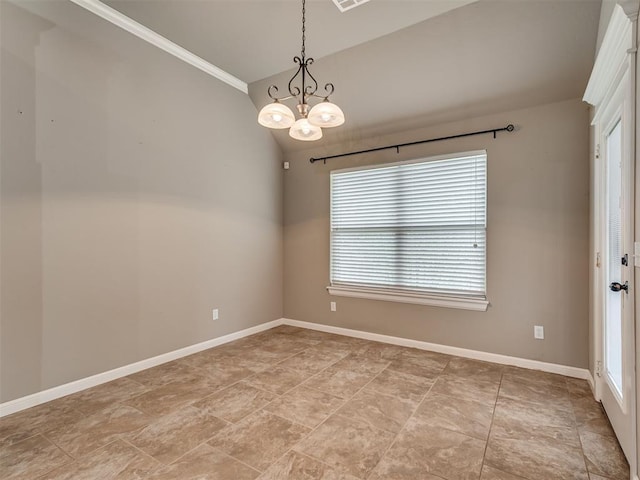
(508, 128)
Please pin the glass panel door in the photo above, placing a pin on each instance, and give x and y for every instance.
(613, 316)
(617, 333)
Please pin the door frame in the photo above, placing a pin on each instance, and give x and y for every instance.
(616, 63)
(617, 109)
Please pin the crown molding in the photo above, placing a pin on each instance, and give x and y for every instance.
(120, 20)
(616, 45)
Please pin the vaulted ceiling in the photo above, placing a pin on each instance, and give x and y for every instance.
(396, 64)
(485, 57)
(254, 39)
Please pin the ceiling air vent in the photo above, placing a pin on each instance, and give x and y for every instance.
(344, 5)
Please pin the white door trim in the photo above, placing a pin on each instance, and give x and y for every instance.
(611, 56)
(615, 64)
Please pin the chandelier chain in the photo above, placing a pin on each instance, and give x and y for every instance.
(303, 27)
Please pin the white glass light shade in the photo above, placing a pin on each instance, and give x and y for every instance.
(326, 114)
(276, 115)
(303, 130)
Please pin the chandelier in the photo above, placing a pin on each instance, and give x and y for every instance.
(322, 115)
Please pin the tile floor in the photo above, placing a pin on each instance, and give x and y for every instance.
(298, 404)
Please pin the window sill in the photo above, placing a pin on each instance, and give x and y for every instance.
(464, 303)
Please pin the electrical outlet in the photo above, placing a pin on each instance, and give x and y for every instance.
(333, 306)
(538, 332)
(215, 314)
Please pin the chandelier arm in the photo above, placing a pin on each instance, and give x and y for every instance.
(274, 97)
(327, 88)
(293, 90)
(310, 90)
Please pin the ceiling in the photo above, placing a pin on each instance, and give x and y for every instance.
(487, 57)
(253, 39)
(396, 64)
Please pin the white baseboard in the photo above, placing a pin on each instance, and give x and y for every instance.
(38, 398)
(44, 396)
(568, 371)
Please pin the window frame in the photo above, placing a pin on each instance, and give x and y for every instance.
(438, 299)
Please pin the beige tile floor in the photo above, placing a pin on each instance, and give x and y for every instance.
(298, 404)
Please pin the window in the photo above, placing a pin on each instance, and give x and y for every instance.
(412, 231)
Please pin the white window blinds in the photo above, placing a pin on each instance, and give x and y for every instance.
(418, 227)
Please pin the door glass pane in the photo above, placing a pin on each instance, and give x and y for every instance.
(613, 317)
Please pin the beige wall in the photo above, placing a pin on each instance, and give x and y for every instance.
(538, 238)
(137, 193)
